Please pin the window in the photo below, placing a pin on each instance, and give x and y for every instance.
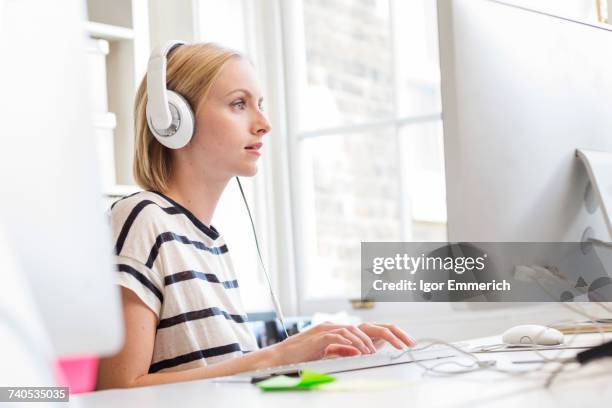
(365, 124)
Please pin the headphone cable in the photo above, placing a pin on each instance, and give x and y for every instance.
(272, 295)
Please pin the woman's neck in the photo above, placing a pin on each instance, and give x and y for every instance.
(199, 195)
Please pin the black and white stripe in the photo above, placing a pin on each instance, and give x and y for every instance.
(168, 236)
(200, 314)
(195, 355)
(142, 279)
(181, 269)
(208, 277)
(127, 225)
(174, 209)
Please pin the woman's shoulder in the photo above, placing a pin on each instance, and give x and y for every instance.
(143, 207)
(150, 215)
(123, 206)
(137, 221)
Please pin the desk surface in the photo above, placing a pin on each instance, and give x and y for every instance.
(403, 384)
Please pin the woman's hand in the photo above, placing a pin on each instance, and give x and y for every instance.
(386, 333)
(333, 340)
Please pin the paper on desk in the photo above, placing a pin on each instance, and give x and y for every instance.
(361, 385)
(307, 380)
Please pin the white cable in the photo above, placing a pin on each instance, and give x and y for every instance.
(277, 306)
(476, 364)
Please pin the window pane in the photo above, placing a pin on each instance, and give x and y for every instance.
(350, 193)
(416, 57)
(423, 152)
(348, 63)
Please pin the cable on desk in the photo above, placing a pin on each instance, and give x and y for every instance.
(576, 309)
(475, 365)
(478, 364)
(580, 311)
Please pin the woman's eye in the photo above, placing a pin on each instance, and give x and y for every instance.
(239, 104)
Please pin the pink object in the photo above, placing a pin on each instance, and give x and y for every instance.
(77, 373)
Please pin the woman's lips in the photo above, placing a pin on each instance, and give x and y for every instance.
(254, 148)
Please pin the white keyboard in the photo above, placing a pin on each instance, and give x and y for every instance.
(381, 358)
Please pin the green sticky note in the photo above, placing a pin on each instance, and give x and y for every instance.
(310, 378)
(306, 381)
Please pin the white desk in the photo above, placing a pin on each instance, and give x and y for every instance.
(577, 387)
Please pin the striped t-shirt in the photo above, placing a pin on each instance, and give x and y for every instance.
(181, 269)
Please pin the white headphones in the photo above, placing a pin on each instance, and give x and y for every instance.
(169, 116)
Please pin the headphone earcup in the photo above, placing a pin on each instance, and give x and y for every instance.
(183, 123)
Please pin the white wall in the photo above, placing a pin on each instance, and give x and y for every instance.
(172, 20)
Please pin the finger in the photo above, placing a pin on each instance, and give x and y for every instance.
(379, 343)
(382, 332)
(339, 350)
(402, 335)
(364, 337)
(331, 338)
(354, 338)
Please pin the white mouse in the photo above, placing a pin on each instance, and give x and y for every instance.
(532, 334)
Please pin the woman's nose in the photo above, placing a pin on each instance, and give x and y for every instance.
(261, 126)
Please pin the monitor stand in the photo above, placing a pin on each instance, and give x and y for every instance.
(598, 165)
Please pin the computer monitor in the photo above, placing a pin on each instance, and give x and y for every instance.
(51, 203)
(521, 91)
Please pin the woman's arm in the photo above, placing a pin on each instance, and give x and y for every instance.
(130, 367)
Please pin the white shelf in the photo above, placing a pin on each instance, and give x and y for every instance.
(108, 32)
(123, 25)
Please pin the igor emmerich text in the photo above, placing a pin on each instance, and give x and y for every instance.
(453, 285)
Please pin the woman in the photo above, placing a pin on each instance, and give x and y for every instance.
(183, 315)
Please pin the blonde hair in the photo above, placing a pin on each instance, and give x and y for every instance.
(191, 71)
